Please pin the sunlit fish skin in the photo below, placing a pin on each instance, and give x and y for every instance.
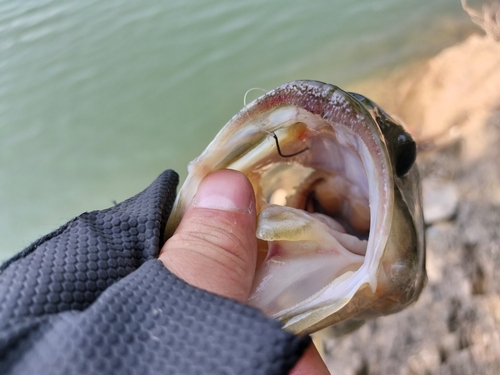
(338, 197)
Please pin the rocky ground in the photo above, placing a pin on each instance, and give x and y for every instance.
(451, 104)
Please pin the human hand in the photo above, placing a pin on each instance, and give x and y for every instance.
(215, 248)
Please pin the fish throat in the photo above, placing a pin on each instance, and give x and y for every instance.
(313, 223)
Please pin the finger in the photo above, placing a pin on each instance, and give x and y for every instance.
(214, 247)
(310, 364)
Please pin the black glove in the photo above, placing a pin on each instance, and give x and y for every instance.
(92, 298)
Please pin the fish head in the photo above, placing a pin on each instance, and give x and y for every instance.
(338, 198)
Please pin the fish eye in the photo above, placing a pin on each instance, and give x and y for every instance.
(406, 153)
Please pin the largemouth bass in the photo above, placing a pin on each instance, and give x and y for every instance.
(338, 198)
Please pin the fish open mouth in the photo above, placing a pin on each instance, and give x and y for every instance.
(320, 188)
(323, 181)
(314, 220)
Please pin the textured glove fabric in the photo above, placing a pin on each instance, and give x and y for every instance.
(92, 298)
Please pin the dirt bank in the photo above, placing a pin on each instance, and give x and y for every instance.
(452, 105)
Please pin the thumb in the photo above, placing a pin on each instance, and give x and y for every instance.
(215, 248)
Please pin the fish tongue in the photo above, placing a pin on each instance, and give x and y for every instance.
(325, 234)
(306, 253)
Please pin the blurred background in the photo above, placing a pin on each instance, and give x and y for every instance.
(97, 98)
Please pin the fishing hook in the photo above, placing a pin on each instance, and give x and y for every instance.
(279, 149)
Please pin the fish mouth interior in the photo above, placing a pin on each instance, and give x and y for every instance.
(312, 195)
(324, 193)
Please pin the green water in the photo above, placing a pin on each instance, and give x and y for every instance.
(98, 97)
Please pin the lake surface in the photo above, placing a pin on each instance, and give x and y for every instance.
(99, 97)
